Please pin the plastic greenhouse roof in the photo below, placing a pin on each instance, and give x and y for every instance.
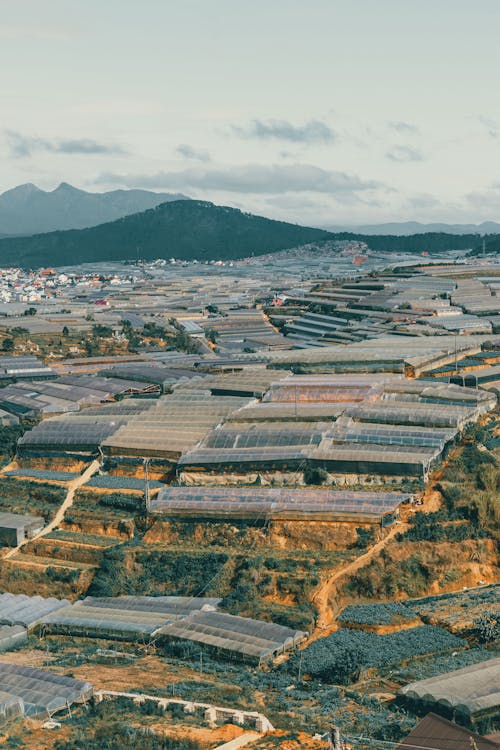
(273, 502)
(41, 691)
(19, 609)
(253, 638)
(473, 689)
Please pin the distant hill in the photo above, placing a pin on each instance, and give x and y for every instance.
(185, 229)
(402, 228)
(28, 210)
(191, 229)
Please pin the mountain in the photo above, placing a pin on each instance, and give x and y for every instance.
(28, 210)
(185, 229)
(404, 228)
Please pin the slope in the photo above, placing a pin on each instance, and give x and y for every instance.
(183, 229)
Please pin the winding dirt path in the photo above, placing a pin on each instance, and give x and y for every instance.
(75, 484)
(325, 592)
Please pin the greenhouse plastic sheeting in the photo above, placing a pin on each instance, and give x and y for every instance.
(471, 690)
(242, 637)
(41, 691)
(11, 636)
(301, 504)
(19, 609)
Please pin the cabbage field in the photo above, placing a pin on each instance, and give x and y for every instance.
(43, 474)
(380, 613)
(339, 657)
(112, 482)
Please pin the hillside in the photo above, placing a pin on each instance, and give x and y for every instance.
(189, 229)
(181, 229)
(26, 209)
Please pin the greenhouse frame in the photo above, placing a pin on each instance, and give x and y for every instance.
(238, 638)
(38, 692)
(472, 692)
(298, 504)
(20, 609)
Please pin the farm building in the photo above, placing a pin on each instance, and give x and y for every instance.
(126, 617)
(35, 692)
(267, 503)
(12, 636)
(238, 638)
(436, 733)
(469, 694)
(68, 393)
(19, 609)
(164, 619)
(385, 425)
(15, 528)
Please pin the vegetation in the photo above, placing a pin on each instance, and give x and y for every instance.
(183, 229)
(32, 498)
(339, 657)
(382, 613)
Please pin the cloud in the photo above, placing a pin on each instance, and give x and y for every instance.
(404, 154)
(422, 200)
(484, 199)
(313, 131)
(22, 146)
(188, 152)
(492, 127)
(252, 178)
(405, 128)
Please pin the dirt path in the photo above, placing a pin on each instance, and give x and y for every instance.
(326, 590)
(67, 503)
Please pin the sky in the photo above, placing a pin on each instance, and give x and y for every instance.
(325, 112)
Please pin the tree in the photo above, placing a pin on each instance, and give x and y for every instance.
(315, 475)
(30, 311)
(212, 335)
(8, 345)
(65, 331)
(100, 331)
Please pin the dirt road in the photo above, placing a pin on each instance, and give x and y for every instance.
(75, 484)
(326, 590)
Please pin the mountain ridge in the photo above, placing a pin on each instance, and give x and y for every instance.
(27, 209)
(406, 228)
(184, 229)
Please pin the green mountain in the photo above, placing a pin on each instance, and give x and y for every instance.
(184, 229)
(190, 229)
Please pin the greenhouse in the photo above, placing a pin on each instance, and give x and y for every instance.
(12, 636)
(472, 692)
(238, 638)
(126, 618)
(277, 504)
(411, 413)
(40, 692)
(382, 434)
(10, 706)
(172, 426)
(392, 460)
(19, 609)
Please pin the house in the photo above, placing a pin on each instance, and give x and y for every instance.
(436, 733)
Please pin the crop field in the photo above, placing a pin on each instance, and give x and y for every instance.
(113, 482)
(32, 498)
(458, 611)
(381, 613)
(42, 474)
(342, 655)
